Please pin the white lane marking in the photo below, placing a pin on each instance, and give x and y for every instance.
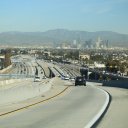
(99, 114)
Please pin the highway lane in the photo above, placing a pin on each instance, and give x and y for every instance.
(73, 110)
(44, 65)
(117, 113)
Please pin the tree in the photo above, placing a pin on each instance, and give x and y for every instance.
(114, 66)
(7, 61)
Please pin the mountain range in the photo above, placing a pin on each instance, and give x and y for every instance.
(58, 36)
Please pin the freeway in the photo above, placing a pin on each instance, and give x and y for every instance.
(117, 113)
(75, 109)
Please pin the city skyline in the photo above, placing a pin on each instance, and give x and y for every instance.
(84, 15)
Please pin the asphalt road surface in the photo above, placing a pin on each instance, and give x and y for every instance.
(117, 113)
(73, 110)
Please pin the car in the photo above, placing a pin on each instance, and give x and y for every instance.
(80, 80)
(65, 78)
(37, 79)
(44, 77)
(72, 78)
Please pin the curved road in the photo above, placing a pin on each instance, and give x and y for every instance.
(73, 110)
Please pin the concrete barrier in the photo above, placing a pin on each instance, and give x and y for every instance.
(116, 83)
(24, 92)
(9, 83)
(98, 116)
(94, 83)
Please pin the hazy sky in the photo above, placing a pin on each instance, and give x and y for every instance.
(42, 15)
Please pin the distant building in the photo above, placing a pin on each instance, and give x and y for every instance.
(2, 59)
(84, 56)
(107, 44)
(66, 46)
(101, 44)
(88, 44)
(74, 44)
(96, 65)
(46, 53)
(98, 43)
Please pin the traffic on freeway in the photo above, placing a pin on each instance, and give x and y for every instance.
(46, 97)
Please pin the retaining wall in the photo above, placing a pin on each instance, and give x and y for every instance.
(116, 83)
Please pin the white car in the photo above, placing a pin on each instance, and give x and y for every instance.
(65, 78)
(37, 79)
(44, 77)
(72, 78)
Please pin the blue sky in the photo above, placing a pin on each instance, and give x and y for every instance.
(85, 15)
